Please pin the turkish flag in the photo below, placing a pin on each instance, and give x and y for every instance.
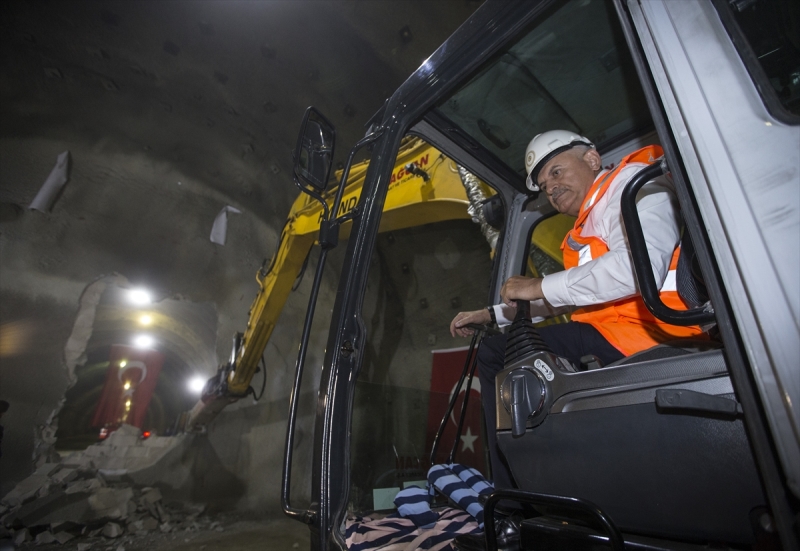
(447, 368)
(139, 369)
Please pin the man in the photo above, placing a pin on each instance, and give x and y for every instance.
(611, 321)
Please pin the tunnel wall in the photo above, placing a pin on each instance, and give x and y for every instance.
(102, 225)
(154, 233)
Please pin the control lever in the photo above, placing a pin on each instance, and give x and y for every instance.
(523, 392)
(523, 338)
(520, 405)
(523, 310)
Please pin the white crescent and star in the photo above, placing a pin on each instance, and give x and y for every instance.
(468, 441)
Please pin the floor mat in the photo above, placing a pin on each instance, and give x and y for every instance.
(395, 533)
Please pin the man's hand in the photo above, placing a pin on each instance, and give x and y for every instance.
(521, 288)
(481, 317)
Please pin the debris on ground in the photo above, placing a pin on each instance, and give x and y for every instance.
(74, 500)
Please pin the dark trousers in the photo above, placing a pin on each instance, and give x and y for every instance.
(570, 340)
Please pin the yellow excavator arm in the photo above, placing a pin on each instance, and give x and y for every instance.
(425, 187)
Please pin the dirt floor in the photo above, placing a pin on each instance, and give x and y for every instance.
(234, 532)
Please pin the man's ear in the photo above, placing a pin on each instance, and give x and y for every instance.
(593, 159)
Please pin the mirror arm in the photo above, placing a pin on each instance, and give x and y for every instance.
(329, 226)
(309, 191)
(329, 221)
(329, 234)
(366, 140)
(329, 229)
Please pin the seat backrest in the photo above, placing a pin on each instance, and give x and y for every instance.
(689, 278)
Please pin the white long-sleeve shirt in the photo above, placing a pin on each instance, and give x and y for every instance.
(610, 277)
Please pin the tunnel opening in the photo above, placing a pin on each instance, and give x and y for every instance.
(130, 359)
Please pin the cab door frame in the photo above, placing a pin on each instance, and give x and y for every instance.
(489, 28)
(714, 127)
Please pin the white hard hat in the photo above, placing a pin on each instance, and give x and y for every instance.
(544, 147)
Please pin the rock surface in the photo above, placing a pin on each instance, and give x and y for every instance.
(74, 504)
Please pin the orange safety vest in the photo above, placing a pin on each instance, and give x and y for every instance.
(627, 323)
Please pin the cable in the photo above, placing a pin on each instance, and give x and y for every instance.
(299, 279)
(277, 248)
(263, 382)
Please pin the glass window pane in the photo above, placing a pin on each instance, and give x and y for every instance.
(544, 255)
(431, 260)
(772, 29)
(571, 71)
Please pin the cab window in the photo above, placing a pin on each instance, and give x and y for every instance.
(572, 70)
(767, 35)
(544, 253)
(431, 260)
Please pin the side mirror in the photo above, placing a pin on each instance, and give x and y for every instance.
(313, 155)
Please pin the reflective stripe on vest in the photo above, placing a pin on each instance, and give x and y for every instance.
(626, 323)
(585, 255)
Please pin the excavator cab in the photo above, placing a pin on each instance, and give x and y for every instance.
(680, 447)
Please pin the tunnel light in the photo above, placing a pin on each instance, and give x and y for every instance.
(127, 405)
(146, 319)
(123, 363)
(127, 385)
(143, 341)
(196, 384)
(140, 297)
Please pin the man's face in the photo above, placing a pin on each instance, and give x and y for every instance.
(567, 177)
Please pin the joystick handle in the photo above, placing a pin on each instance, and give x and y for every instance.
(523, 338)
(523, 310)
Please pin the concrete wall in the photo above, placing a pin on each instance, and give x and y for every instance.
(154, 233)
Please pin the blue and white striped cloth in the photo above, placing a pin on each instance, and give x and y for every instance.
(395, 533)
(472, 478)
(447, 483)
(414, 503)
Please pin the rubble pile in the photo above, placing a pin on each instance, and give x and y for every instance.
(74, 499)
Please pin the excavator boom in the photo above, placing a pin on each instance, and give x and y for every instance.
(425, 187)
